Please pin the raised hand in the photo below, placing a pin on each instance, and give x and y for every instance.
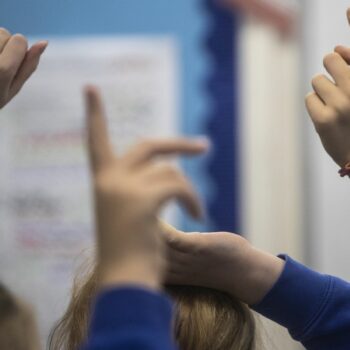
(329, 105)
(17, 63)
(130, 190)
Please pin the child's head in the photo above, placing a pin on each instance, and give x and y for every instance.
(205, 319)
(17, 324)
(208, 319)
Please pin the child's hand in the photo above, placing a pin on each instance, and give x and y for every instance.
(329, 105)
(329, 108)
(222, 261)
(17, 63)
(129, 193)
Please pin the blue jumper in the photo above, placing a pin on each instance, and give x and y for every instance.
(315, 308)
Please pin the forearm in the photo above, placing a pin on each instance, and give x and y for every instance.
(258, 273)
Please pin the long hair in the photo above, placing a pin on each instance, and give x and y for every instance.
(205, 319)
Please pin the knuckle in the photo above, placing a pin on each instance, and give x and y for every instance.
(171, 171)
(317, 79)
(182, 185)
(173, 240)
(329, 115)
(179, 189)
(186, 189)
(141, 148)
(6, 71)
(343, 107)
(346, 87)
(324, 123)
(330, 58)
(146, 145)
(103, 182)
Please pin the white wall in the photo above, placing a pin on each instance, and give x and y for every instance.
(270, 145)
(327, 229)
(294, 200)
(271, 167)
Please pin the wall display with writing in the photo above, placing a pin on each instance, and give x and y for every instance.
(45, 200)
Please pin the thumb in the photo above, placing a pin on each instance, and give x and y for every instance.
(175, 239)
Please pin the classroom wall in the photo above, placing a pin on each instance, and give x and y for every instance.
(270, 150)
(325, 234)
(183, 21)
(187, 22)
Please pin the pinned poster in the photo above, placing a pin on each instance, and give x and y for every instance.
(45, 187)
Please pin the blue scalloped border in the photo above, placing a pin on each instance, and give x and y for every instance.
(223, 120)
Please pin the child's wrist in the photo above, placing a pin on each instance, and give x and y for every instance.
(259, 271)
(265, 271)
(133, 273)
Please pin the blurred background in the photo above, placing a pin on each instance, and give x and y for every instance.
(234, 71)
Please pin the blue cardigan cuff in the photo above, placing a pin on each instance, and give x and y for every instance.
(297, 299)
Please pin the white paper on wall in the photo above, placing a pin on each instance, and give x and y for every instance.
(45, 204)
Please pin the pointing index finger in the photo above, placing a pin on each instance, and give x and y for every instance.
(98, 140)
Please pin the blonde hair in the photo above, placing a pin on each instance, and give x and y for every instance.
(18, 329)
(205, 319)
(208, 319)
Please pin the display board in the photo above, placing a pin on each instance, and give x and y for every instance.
(45, 206)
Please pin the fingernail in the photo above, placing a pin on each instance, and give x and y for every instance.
(203, 140)
(43, 45)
